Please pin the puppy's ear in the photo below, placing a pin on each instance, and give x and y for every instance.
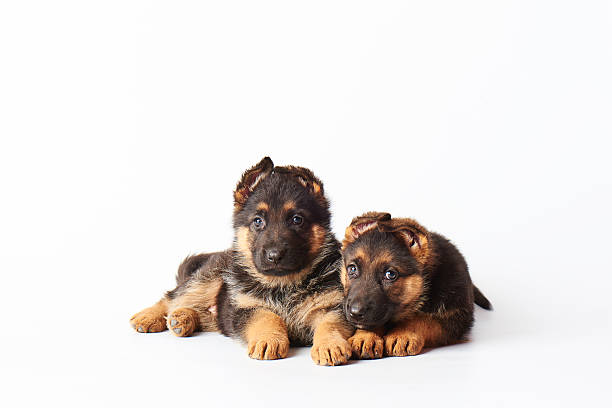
(416, 238)
(363, 224)
(307, 179)
(250, 179)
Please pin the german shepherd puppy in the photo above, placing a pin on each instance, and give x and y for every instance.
(405, 287)
(278, 285)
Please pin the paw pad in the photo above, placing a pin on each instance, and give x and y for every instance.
(183, 322)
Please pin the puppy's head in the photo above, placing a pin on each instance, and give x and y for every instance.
(281, 219)
(383, 263)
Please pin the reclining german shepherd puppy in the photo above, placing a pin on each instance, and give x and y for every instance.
(405, 287)
(278, 284)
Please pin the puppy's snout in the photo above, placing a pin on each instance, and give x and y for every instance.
(357, 310)
(274, 255)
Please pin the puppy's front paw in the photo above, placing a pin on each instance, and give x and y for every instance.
(403, 343)
(183, 321)
(331, 351)
(366, 345)
(269, 347)
(149, 320)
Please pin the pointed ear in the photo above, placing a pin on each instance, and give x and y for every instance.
(362, 224)
(250, 179)
(416, 238)
(307, 179)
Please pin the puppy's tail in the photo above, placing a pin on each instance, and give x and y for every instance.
(481, 300)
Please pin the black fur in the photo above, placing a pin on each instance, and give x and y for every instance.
(275, 189)
(446, 295)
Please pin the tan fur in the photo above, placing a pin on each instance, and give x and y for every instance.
(362, 255)
(182, 322)
(266, 336)
(317, 239)
(379, 259)
(367, 344)
(242, 300)
(312, 309)
(414, 235)
(263, 206)
(352, 232)
(409, 337)
(406, 290)
(362, 224)
(289, 205)
(249, 180)
(243, 237)
(151, 319)
(202, 298)
(344, 279)
(330, 346)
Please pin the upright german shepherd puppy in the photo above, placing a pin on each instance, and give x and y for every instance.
(405, 287)
(278, 284)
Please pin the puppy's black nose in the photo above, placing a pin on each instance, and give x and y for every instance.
(274, 255)
(357, 310)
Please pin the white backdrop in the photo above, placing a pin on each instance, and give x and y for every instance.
(125, 125)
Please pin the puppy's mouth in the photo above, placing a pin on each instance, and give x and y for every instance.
(278, 271)
(363, 325)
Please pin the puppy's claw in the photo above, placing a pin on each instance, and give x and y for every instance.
(271, 348)
(366, 345)
(331, 352)
(402, 344)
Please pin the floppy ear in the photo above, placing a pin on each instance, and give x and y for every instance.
(416, 238)
(250, 179)
(362, 224)
(307, 179)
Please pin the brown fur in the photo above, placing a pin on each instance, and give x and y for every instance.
(318, 239)
(288, 206)
(202, 298)
(183, 321)
(243, 243)
(367, 344)
(406, 291)
(192, 304)
(329, 345)
(266, 336)
(151, 319)
(413, 282)
(314, 309)
(410, 336)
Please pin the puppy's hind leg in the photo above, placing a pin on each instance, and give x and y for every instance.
(195, 309)
(152, 319)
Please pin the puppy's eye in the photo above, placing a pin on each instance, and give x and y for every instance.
(297, 220)
(390, 275)
(258, 222)
(352, 271)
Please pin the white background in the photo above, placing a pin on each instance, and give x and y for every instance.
(125, 125)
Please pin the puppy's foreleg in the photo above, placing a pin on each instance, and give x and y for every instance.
(265, 333)
(409, 337)
(367, 344)
(329, 343)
